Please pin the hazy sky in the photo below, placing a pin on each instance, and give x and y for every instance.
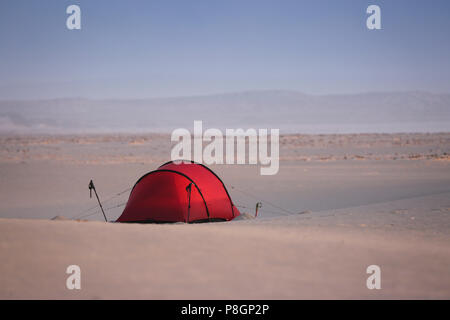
(136, 49)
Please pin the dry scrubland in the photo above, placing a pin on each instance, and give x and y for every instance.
(125, 148)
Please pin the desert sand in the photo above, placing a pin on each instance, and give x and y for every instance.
(349, 201)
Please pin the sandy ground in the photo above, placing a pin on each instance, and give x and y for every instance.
(356, 200)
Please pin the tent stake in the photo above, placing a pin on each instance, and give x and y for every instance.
(258, 206)
(91, 186)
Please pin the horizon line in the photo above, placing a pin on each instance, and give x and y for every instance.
(224, 93)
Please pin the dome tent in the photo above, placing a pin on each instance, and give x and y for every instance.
(181, 191)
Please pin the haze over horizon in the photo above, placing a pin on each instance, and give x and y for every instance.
(236, 92)
(289, 111)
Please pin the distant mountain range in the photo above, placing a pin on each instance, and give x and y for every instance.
(289, 111)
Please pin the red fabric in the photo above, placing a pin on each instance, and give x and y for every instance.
(162, 196)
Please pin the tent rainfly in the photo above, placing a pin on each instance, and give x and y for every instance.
(181, 191)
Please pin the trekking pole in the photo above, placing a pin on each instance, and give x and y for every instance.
(92, 187)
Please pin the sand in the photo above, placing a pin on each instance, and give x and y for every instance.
(357, 200)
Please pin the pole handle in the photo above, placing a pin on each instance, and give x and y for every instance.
(92, 187)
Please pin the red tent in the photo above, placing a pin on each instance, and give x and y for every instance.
(179, 191)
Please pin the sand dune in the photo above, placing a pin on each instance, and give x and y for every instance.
(356, 201)
(253, 259)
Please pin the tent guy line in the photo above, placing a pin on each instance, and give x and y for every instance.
(99, 210)
(108, 199)
(87, 213)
